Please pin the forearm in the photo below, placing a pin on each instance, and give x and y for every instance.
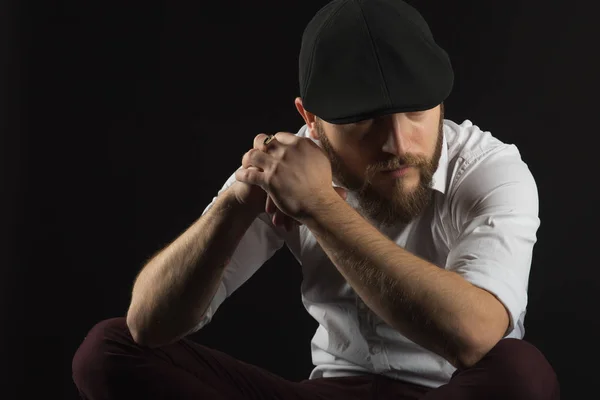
(174, 289)
(433, 307)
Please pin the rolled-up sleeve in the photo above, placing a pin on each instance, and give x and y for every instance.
(258, 245)
(495, 208)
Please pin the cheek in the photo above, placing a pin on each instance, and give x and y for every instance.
(361, 157)
(353, 161)
(350, 160)
(425, 142)
(431, 144)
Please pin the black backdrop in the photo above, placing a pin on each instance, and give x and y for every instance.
(121, 121)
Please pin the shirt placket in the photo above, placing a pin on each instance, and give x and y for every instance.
(366, 323)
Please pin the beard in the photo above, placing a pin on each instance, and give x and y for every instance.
(399, 205)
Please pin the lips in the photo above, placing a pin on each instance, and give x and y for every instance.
(398, 172)
(401, 167)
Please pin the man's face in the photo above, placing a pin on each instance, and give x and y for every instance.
(361, 154)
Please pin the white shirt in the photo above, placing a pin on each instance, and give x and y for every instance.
(481, 224)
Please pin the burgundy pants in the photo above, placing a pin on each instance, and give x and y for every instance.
(109, 365)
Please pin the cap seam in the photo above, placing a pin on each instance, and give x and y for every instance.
(375, 50)
(424, 35)
(325, 24)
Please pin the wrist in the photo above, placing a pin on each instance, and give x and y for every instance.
(247, 209)
(323, 204)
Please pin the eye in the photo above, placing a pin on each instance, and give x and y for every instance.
(364, 124)
(416, 114)
(357, 129)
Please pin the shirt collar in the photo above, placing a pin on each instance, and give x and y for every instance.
(439, 177)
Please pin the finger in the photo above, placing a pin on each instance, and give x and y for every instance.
(289, 223)
(251, 176)
(270, 206)
(342, 192)
(259, 142)
(246, 162)
(295, 222)
(286, 138)
(277, 218)
(281, 220)
(257, 158)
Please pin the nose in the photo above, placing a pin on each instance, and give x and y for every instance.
(397, 141)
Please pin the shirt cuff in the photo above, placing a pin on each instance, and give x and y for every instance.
(514, 300)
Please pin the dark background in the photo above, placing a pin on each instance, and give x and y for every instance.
(121, 121)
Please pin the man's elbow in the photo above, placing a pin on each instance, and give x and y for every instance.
(138, 335)
(484, 333)
(154, 334)
(140, 338)
(141, 335)
(469, 357)
(477, 348)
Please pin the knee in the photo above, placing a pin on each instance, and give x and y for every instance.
(105, 340)
(523, 365)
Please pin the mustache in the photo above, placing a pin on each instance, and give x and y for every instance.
(408, 160)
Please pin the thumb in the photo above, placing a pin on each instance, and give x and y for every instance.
(341, 191)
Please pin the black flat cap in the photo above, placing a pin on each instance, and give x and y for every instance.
(360, 59)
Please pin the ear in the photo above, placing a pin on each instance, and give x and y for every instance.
(309, 118)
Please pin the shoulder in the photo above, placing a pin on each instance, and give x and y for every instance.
(467, 142)
(486, 172)
(472, 149)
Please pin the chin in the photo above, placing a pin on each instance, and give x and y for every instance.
(410, 187)
(406, 186)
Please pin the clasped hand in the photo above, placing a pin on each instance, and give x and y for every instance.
(294, 172)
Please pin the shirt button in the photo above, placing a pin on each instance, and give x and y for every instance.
(375, 349)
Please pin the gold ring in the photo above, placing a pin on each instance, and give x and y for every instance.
(269, 139)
